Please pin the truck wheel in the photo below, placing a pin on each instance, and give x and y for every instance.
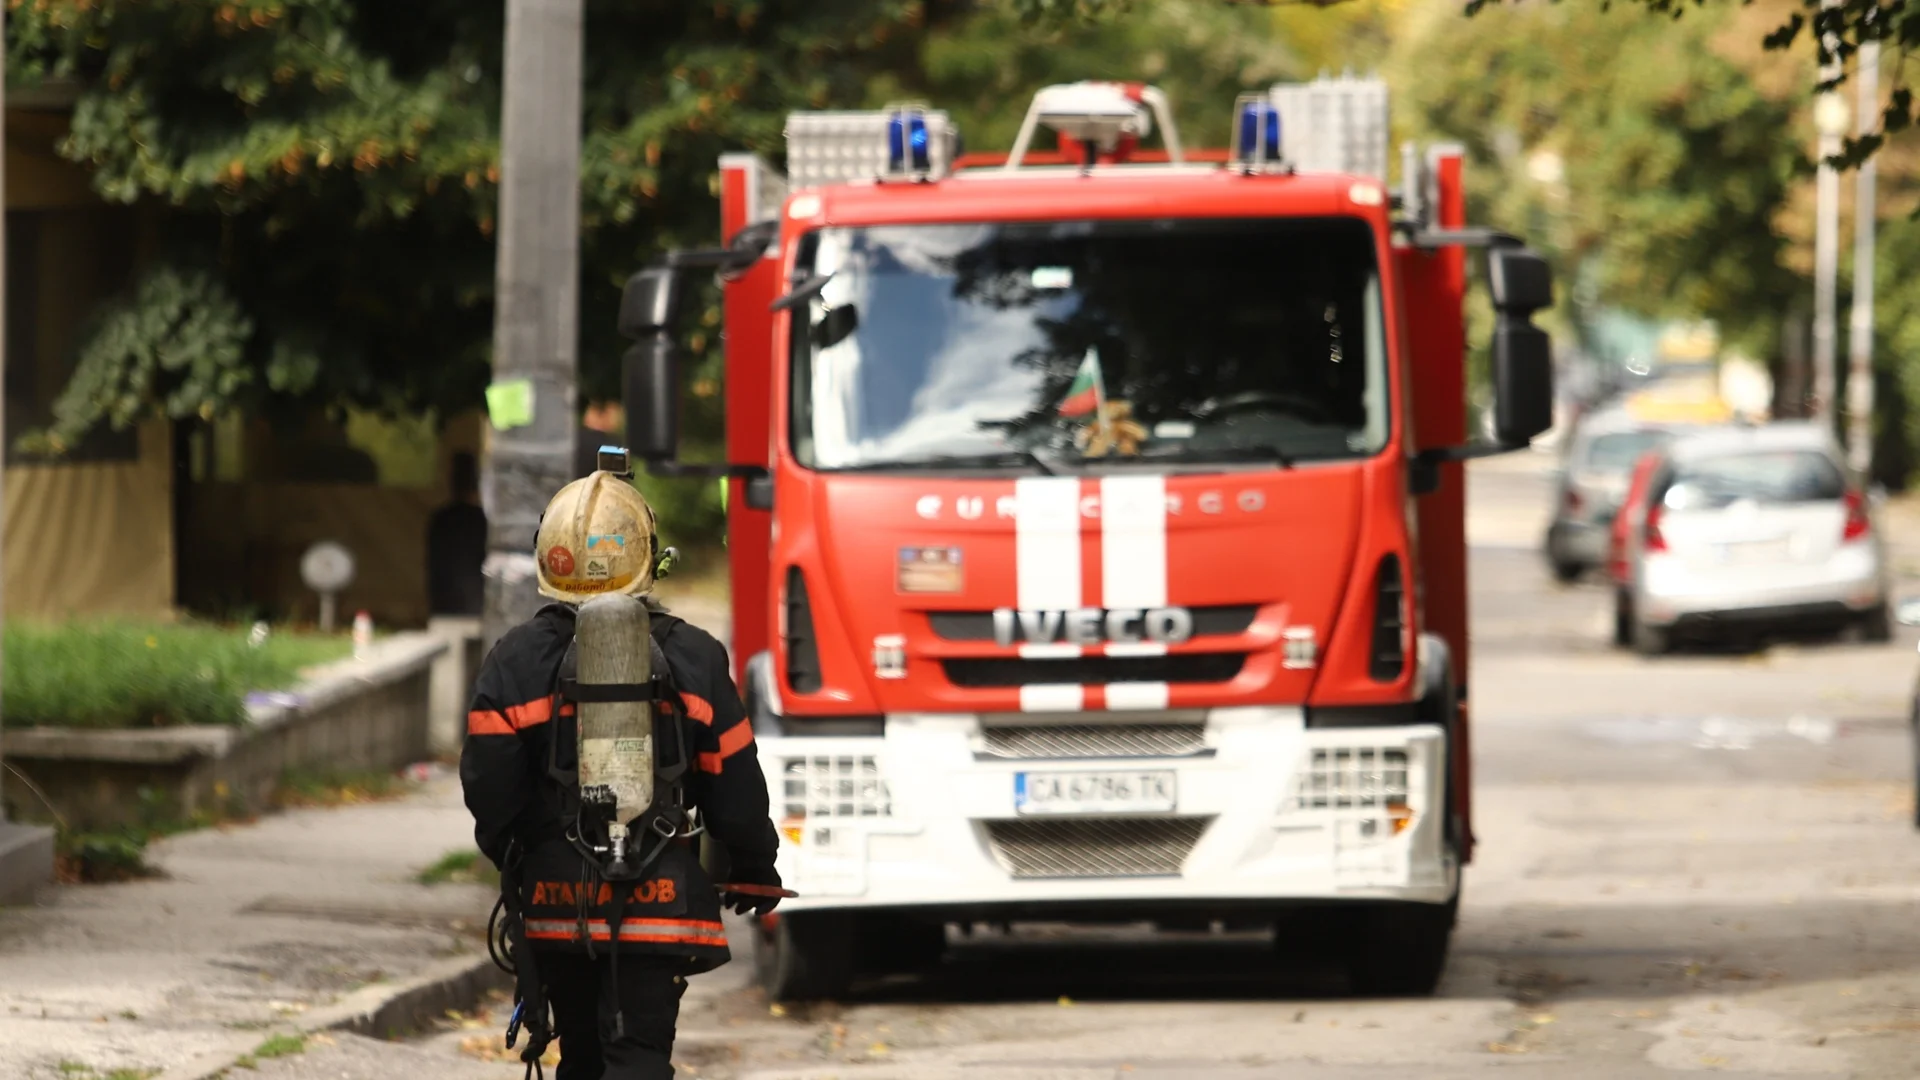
(897, 945)
(1649, 640)
(805, 956)
(1400, 950)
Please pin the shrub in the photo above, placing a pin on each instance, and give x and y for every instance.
(110, 674)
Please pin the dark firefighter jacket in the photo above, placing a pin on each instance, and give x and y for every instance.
(503, 770)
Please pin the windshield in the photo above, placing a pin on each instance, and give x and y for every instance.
(1784, 476)
(1616, 453)
(1063, 344)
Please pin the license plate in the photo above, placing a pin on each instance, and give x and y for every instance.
(1754, 551)
(1092, 792)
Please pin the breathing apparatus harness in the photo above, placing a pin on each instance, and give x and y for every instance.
(604, 862)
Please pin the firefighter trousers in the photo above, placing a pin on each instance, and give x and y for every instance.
(582, 993)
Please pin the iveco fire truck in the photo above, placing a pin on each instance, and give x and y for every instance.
(1096, 520)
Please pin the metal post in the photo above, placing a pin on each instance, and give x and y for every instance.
(3, 366)
(1829, 117)
(1860, 330)
(536, 303)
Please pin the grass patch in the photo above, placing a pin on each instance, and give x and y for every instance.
(118, 853)
(113, 674)
(280, 1046)
(460, 868)
(74, 1070)
(338, 787)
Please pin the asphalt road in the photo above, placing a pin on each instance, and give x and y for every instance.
(1701, 863)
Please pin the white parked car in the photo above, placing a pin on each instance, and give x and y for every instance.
(1752, 528)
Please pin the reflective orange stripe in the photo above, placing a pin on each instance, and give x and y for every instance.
(698, 708)
(537, 711)
(671, 931)
(732, 741)
(487, 722)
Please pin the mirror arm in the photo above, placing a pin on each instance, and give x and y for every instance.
(1471, 236)
(1424, 466)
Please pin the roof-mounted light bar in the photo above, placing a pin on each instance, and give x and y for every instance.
(1256, 133)
(900, 142)
(1104, 117)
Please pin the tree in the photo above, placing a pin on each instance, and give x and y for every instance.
(1647, 164)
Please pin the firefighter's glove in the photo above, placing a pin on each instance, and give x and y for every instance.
(750, 874)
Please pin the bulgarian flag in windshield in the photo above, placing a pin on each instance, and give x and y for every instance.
(1087, 392)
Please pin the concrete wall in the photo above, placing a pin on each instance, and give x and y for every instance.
(358, 714)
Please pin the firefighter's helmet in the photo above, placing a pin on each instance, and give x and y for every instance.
(596, 537)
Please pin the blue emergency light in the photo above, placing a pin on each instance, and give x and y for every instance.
(907, 142)
(1258, 119)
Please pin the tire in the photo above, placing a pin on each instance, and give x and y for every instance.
(1566, 573)
(805, 956)
(1876, 626)
(1400, 950)
(1622, 618)
(1649, 640)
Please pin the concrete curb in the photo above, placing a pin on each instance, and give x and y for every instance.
(378, 1011)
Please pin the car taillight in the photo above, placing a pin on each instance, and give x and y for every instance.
(1857, 524)
(1573, 500)
(1654, 540)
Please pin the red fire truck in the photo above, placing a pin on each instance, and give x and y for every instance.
(1096, 520)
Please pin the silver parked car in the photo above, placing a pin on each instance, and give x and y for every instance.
(1590, 484)
(1751, 528)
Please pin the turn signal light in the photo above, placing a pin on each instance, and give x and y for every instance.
(1402, 818)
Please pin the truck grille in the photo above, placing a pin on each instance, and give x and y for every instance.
(1094, 670)
(1224, 619)
(1096, 741)
(1353, 778)
(1095, 847)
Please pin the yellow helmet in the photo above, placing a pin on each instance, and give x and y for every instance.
(596, 537)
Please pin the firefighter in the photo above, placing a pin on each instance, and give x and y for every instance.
(614, 1003)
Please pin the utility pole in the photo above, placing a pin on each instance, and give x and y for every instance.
(1860, 330)
(1830, 118)
(536, 305)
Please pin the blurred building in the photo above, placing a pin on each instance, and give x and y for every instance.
(211, 518)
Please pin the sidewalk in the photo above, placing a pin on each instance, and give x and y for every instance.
(304, 921)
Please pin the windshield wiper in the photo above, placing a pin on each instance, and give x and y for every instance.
(802, 292)
(996, 458)
(1225, 454)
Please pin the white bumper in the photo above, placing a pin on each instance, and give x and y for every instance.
(1265, 810)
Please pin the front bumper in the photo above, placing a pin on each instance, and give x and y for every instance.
(1266, 810)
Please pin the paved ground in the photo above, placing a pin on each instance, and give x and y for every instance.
(1702, 863)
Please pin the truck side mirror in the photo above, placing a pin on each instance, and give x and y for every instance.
(650, 375)
(651, 386)
(1521, 283)
(647, 304)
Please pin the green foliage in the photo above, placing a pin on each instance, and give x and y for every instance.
(460, 868)
(178, 347)
(108, 674)
(1672, 165)
(280, 1046)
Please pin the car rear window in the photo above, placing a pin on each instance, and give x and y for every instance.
(1774, 476)
(1617, 451)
